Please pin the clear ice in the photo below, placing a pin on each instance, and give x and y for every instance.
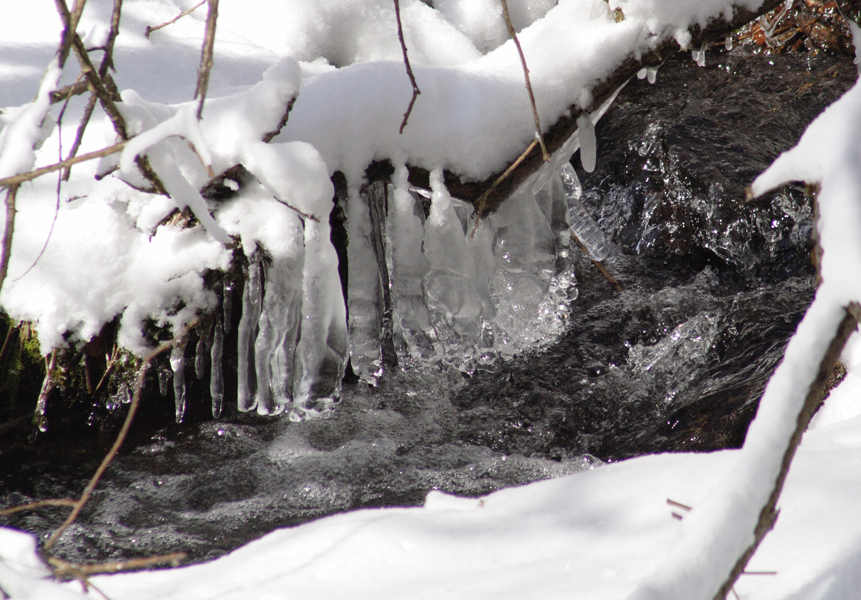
(588, 142)
(321, 354)
(246, 377)
(583, 226)
(216, 375)
(364, 288)
(177, 365)
(427, 283)
(414, 333)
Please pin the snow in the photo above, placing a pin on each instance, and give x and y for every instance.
(605, 533)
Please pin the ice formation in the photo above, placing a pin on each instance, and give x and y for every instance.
(426, 284)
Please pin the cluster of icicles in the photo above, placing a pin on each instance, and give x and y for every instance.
(426, 283)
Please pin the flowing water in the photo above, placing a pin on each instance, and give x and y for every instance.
(713, 288)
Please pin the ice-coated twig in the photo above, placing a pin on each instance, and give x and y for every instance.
(416, 90)
(538, 135)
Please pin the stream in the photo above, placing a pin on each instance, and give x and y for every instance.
(713, 289)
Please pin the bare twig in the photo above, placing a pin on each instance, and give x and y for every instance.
(59, 184)
(815, 394)
(149, 29)
(68, 91)
(416, 90)
(79, 136)
(678, 505)
(8, 231)
(479, 205)
(133, 406)
(70, 25)
(39, 504)
(513, 34)
(67, 569)
(302, 214)
(107, 63)
(206, 57)
(600, 266)
(108, 96)
(17, 180)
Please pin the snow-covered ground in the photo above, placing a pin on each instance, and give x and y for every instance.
(606, 533)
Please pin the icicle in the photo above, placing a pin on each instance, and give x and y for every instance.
(200, 353)
(227, 305)
(525, 252)
(245, 397)
(652, 74)
(275, 347)
(364, 290)
(583, 226)
(216, 376)
(412, 322)
(588, 143)
(163, 380)
(264, 345)
(552, 201)
(177, 365)
(322, 351)
(727, 43)
(454, 304)
(641, 74)
(699, 57)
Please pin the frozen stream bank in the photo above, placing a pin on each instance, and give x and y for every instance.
(714, 287)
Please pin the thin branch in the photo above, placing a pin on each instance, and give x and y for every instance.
(513, 34)
(8, 231)
(59, 184)
(480, 203)
(815, 395)
(70, 25)
(206, 57)
(600, 266)
(39, 504)
(149, 29)
(107, 63)
(133, 407)
(416, 90)
(17, 180)
(108, 58)
(68, 91)
(79, 136)
(65, 569)
(302, 214)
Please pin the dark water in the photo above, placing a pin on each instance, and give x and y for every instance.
(714, 287)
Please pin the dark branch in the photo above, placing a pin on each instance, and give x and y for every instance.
(206, 56)
(416, 90)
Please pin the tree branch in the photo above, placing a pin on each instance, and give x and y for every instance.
(815, 395)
